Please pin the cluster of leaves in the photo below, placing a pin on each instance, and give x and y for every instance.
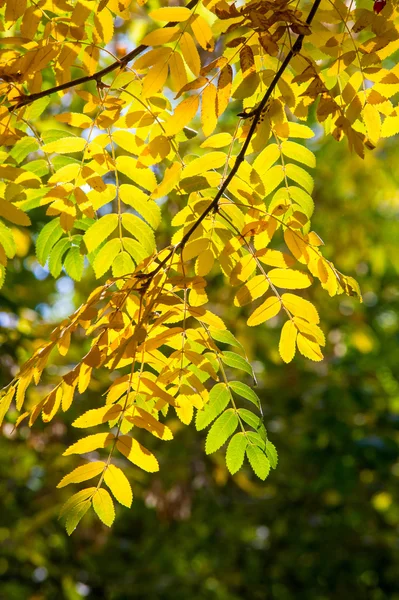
(104, 171)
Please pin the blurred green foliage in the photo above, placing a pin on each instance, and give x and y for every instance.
(324, 526)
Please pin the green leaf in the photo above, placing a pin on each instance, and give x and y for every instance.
(104, 506)
(257, 439)
(106, 257)
(219, 397)
(226, 337)
(74, 262)
(258, 461)
(99, 231)
(7, 240)
(141, 203)
(122, 265)
(235, 452)
(221, 430)
(55, 260)
(23, 147)
(235, 361)
(140, 230)
(49, 235)
(272, 454)
(249, 418)
(75, 507)
(243, 390)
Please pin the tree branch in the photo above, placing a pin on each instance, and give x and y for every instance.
(256, 114)
(28, 99)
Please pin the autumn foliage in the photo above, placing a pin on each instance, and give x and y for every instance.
(215, 107)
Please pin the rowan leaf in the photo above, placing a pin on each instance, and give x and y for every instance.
(119, 485)
(100, 231)
(235, 453)
(235, 361)
(221, 430)
(137, 454)
(259, 462)
(219, 397)
(243, 390)
(82, 473)
(104, 506)
(267, 310)
(96, 416)
(89, 443)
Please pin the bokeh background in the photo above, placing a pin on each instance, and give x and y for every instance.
(323, 526)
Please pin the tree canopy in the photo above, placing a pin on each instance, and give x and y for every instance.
(154, 152)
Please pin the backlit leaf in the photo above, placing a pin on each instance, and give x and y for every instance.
(221, 430)
(103, 506)
(236, 452)
(119, 485)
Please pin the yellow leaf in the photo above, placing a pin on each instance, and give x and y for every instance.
(137, 454)
(172, 13)
(219, 140)
(390, 127)
(224, 89)
(190, 53)
(90, 443)
(253, 289)
(310, 330)
(194, 248)
(103, 506)
(5, 403)
(297, 130)
(74, 119)
(207, 317)
(98, 416)
(142, 204)
(372, 121)
(178, 73)
(82, 473)
(297, 245)
(290, 279)
(298, 153)
(202, 33)
(119, 485)
(143, 419)
(100, 231)
(243, 269)
(161, 36)
(205, 262)
(267, 310)
(309, 348)
(145, 178)
(212, 160)
(169, 181)
(183, 114)
(65, 145)
(275, 258)
(155, 79)
(300, 307)
(208, 109)
(288, 341)
(13, 214)
(104, 24)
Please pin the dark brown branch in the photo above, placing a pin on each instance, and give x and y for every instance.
(28, 99)
(256, 114)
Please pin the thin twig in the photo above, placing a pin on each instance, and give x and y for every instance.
(29, 98)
